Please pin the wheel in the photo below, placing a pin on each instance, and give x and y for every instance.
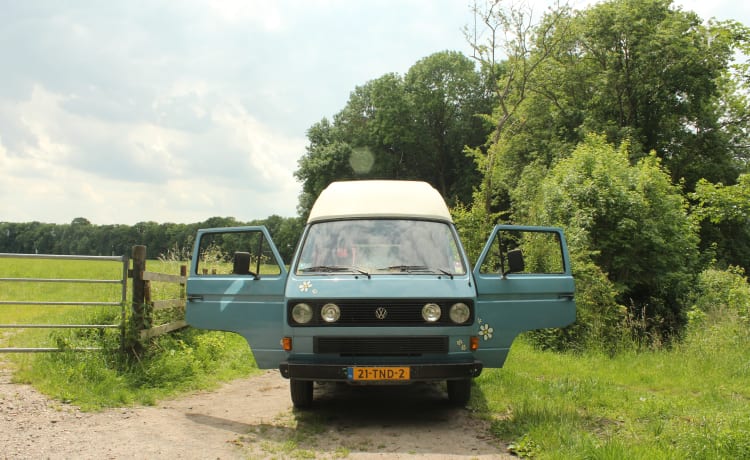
(459, 391)
(302, 393)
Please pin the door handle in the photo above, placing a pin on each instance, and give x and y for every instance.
(568, 297)
(193, 298)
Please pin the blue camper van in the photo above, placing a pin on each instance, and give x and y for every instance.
(380, 291)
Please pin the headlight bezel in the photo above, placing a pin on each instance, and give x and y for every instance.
(431, 312)
(304, 309)
(459, 310)
(332, 308)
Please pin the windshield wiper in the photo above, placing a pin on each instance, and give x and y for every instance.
(418, 268)
(408, 268)
(325, 268)
(444, 272)
(334, 269)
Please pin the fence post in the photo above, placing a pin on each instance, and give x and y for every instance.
(139, 288)
(183, 273)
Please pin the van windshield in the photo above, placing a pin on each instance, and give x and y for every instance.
(380, 246)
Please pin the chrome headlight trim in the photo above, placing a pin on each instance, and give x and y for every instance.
(431, 312)
(302, 313)
(459, 313)
(330, 313)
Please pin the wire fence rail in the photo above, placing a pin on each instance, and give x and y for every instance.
(122, 280)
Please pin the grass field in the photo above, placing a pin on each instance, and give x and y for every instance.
(690, 401)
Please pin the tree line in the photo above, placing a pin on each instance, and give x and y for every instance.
(171, 240)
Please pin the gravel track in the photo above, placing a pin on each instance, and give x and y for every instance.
(247, 418)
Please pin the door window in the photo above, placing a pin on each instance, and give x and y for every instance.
(236, 253)
(541, 252)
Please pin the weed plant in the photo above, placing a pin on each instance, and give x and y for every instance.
(183, 361)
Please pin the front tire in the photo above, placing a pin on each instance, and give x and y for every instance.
(459, 391)
(302, 393)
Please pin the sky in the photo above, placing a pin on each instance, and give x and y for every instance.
(127, 111)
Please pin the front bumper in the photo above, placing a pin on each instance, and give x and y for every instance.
(418, 372)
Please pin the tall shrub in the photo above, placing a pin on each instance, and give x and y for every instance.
(628, 220)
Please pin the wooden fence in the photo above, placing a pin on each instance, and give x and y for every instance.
(144, 306)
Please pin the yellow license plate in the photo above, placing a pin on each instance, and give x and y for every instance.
(379, 373)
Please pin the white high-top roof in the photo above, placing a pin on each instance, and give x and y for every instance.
(379, 198)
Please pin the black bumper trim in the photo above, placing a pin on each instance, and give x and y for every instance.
(419, 372)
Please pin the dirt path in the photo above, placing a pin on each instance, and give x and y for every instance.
(247, 418)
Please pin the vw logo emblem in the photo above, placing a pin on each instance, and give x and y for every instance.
(381, 313)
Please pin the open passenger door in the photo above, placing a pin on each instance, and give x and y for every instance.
(236, 284)
(524, 282)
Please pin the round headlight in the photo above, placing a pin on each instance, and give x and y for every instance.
(302, 313)
(459, 313)
(330, 313)
(431, 312)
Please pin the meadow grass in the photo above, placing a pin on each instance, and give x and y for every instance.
(692, 401)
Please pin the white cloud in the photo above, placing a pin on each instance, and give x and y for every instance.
(109, 171)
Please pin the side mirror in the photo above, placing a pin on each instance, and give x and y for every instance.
(515, 261)
(241, 263)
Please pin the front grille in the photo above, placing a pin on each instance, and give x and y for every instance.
(381, 346)
(391, 312)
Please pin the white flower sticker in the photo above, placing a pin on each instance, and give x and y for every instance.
(305, 286)
(461, 344)
(486, 331)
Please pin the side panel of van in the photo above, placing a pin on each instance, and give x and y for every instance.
(236, 284)
(538, 295)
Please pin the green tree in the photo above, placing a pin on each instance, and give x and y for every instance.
(724, 214)
(640, 71)
(448, 96)
(511, 31)
(326, 160)
(657, 69)
(414, 127)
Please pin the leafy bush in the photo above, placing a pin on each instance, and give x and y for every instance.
(627, 220)
(720, 296)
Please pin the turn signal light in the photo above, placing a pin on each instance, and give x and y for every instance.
(286, 343)
(474, 343)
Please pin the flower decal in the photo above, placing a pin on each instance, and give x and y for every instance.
(461, 344)
(305, 286)
(486, 331)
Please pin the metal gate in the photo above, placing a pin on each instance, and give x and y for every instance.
(123, 280)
